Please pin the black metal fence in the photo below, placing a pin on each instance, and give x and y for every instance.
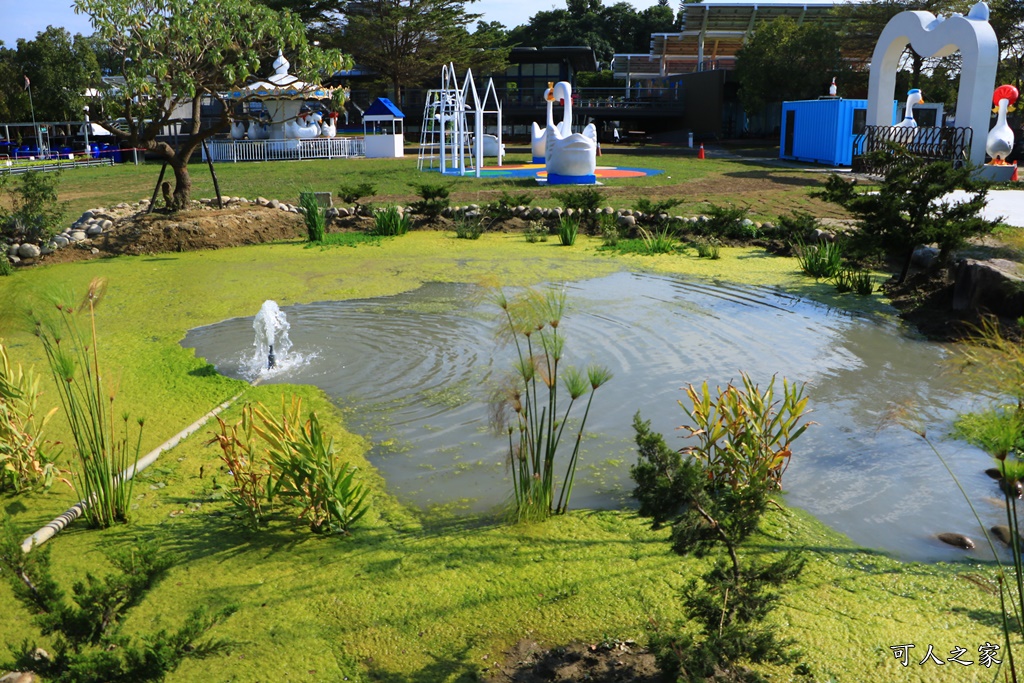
(873, 150)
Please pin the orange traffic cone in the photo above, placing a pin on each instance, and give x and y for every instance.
(700, 154)
(1014, 176)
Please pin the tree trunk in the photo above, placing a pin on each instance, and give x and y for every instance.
(182, 185)
(906, 266)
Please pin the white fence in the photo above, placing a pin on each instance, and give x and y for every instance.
(277, 150)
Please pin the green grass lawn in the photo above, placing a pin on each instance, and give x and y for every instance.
(414, 597)
(697, 184)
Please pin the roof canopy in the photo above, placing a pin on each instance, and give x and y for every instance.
(383, 109)
(281, 86)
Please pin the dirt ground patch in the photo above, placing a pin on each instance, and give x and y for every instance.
(614, 662)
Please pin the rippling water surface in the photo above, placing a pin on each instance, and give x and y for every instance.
(414, 372)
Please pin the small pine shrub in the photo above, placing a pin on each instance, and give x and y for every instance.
(653, 208)
(586, 200)
(797, 226)
(726, 222)
(351, 194)
(502, 208)
(568, 228)
(6, 267)
(433, 199)
(390, 222)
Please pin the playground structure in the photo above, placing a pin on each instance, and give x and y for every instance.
(447, 143)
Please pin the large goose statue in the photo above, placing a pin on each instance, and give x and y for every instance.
(237, 130)
(304, 126)
(999, 143)
(538, 137)
(329, 127)
(571, 157)
(908, 123)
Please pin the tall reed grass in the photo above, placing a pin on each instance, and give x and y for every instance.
(315, 216)
(103, 440)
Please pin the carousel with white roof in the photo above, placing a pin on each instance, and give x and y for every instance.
(283, 119)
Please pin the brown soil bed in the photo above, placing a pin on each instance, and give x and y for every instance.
(156, 233)
(614, 662)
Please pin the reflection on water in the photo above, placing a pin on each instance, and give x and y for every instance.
(414, 373)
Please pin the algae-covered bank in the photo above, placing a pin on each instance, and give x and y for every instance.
(430, 597)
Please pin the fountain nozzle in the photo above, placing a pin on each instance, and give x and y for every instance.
(271, 360)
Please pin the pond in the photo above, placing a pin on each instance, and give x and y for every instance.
(414, 374)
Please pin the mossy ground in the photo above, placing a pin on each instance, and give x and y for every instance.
(432, 598)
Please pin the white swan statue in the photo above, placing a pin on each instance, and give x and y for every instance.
(329, 128)
(304, 126)
(539, 137)
(237, 130)
(999, 143)
(571, 157)
(491, 146)
(832, 89)
(913, 97)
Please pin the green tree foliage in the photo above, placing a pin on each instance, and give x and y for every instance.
(607, 29)
(784, 60)
(13, 97)
(175, 53)
(406, 42)
(60, 68)
(906, 212)
(90, 645)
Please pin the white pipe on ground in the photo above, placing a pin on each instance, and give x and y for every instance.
(76, 510)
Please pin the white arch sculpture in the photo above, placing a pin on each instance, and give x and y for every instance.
(932, 36)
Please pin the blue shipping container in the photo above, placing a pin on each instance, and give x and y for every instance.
(822, 131)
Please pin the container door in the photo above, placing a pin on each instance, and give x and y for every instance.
(787, 147)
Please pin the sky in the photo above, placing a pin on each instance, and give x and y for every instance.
(26, 18)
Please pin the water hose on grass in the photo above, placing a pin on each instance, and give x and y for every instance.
(76, 510)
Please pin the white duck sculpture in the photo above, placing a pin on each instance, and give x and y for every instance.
(999, 143)
(304, 126)
(571, 157)
(914, 96)
(329, 128)
(237, 130)
(539, 136)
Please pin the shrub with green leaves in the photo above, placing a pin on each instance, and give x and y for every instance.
(585, 200)
(708, 247)
(726, 222)
(89, 641)
(314, 215)
(433, 199)
(390, 222)
(714, 494)
(530, 408)
(535, 232)
(36, 213)
(649, 207)
(103, 442)
(25, 459)
(468, 228)
(798, 226)
(6, 267)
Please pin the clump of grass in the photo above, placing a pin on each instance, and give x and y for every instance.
(708, 248)
(25, 458)
(568, 229)
(348, 239)
(390, 222)
(657, 241)
(314, 215)
(6, 267)
(468, 228)
(820, 261)
(103, 444)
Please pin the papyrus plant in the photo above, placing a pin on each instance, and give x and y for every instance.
(530, 407)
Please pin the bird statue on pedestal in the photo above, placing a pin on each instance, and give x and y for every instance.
(999, 143)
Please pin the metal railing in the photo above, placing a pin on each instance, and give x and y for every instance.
(284, 150)
(929, 144)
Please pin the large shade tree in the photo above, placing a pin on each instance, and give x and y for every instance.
(177, 53)
(406, 42)
(60, 68)
(783, 60)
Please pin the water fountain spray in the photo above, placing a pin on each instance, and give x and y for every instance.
(271, 327)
